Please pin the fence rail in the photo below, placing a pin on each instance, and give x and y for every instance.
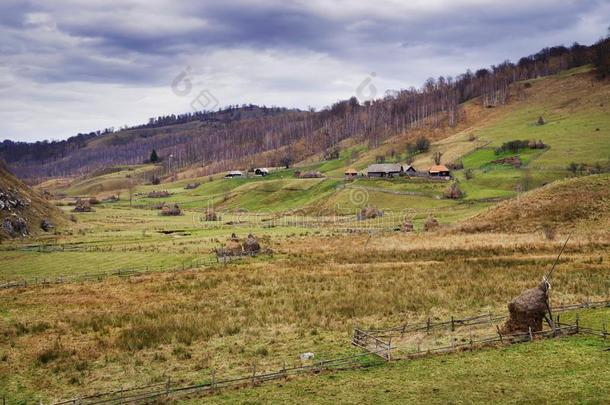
(127, 272)
(455, 323)
(146, 394)
(370, 341)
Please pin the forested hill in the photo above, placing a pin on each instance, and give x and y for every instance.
(278, 136)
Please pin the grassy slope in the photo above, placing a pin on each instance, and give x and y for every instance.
(572, 103)
(581, 201)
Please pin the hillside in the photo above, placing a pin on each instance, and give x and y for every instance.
(22, 210)
(582, 202)
(248, 135)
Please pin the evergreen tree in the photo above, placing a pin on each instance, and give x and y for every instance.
(154, 158)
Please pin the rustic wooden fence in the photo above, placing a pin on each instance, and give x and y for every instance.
(380, 340)
(374, 348)
(163, 391)
(123, 272)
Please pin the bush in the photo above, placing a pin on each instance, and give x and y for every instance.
(422, 144)
(155, 180)
(468, 174)
(512, 146)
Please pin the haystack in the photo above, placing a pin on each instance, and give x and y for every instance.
(171, 211)
(430, 224)
(158, 194)
(407, 226)
(251, 245)
(527, 310)
(210, 215)
(83, 206)
(369, 213)
(192, 186)
(453, 191)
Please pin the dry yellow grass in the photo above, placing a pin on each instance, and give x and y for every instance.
(582, 202)
(66, 339)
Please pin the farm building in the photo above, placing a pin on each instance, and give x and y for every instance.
(439, 171)
(409, 170)
(234, 173)
(261, 171)
(351, 173)
(384, 170)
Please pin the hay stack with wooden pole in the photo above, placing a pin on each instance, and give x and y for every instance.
(528, 311)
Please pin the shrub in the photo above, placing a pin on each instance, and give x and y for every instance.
(468, 174)
(422, 144)
(513, 146)
(155, 180)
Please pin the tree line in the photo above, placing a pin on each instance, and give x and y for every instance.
(249, 134)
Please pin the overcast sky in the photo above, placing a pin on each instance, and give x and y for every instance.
(69, 66)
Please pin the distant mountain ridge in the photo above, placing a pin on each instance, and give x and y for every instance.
(278, 136)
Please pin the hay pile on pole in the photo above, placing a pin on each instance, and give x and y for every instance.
(531, 307)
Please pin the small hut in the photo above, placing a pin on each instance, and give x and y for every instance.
(351, 173)
(234, 173)
(439, 171)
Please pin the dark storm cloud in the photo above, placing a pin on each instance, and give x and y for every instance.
(130, 49)
(151, 37)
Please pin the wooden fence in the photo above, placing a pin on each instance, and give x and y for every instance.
(163, 391)
(124, 273)
(373, 345)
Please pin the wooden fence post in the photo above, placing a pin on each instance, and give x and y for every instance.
(167, 385)
(428, 326)
(253, 374)
(530, 332)
(499, 334)
(452, 324)
(213, 380)
(577, 327)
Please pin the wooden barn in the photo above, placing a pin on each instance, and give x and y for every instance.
(261, 171)
(439, 171)
(384, 170)
(234, 173)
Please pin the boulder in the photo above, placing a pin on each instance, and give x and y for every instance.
(46, 225)
(15, 226)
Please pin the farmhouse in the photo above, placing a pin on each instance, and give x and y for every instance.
(351, 173)
(261, 171)
(409, 170)
(439, 171)
(384, 170)
(233, 173)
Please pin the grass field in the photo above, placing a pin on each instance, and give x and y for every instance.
(329, 271)
(574, 371)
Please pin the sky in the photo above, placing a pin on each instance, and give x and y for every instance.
(70, 66)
